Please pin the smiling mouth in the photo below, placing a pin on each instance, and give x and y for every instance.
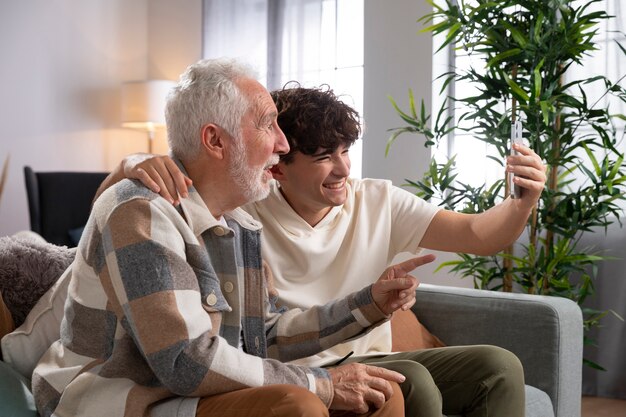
(335, 185)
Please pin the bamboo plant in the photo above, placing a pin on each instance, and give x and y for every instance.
(521, 52)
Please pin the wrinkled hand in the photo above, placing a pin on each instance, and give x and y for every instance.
(357, 386)
(159, 173)
(396, 288)
(530, 173)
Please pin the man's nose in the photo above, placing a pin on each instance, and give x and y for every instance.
(342, 166)
(281, 146)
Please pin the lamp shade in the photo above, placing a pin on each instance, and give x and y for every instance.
(143, 103)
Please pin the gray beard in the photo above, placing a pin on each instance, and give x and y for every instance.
(249, 180)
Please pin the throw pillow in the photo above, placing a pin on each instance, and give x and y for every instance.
(408, 334)
(28, 268)
(23, 347)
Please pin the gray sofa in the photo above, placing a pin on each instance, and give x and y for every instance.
(546, 333)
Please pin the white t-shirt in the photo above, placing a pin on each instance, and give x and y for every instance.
(347, 250)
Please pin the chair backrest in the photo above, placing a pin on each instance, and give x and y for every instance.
(59, 202)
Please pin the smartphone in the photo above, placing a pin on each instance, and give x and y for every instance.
(516, 137)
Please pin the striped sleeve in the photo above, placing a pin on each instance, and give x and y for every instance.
(299, 333)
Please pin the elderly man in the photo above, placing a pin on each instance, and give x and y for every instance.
(167, 312)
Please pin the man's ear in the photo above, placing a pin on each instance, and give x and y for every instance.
(278, 171)
(213, 140)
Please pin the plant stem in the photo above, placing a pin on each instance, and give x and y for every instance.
(553, 182)
(507, 284)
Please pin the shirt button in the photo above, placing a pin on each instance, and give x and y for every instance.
(228, 286)
(211, 299)
(219, 231)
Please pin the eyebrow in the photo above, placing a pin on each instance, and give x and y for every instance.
(322, 153)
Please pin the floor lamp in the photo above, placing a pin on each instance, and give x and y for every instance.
(143, 105)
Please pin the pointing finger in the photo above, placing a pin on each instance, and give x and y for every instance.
(405, 267)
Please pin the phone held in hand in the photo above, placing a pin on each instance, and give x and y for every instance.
(516, 137)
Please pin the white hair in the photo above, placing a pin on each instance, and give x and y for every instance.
(206, 93)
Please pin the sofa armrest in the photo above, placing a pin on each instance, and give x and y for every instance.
(546, 334)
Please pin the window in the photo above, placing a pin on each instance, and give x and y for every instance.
(314, 42)
(608, 59)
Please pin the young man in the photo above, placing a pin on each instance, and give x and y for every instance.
(324, 232)
(167, 311)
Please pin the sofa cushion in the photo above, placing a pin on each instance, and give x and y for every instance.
(28, 267)
(538, 403)
(15, 397)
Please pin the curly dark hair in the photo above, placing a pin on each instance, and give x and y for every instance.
(314, 118)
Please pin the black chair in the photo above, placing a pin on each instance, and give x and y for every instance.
(59, 203)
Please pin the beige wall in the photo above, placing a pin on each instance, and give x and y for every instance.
(174, 37)
(62, 63)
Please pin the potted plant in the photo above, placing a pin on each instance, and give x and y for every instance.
(522, 51)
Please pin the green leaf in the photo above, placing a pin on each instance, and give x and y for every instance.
(537, 76)
(619, 45)
(454, 29)
(516, 90)
(408, 119)
(436, 28)
(538, 26)
(616, 166)
(446, 264)
(593, 159)
(516, 34)
(435, 6)
(502, 56)
(593, 365)
(412, 104)
(545, 112)
(392, 139)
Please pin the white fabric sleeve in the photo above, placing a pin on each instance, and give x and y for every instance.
(410, 218)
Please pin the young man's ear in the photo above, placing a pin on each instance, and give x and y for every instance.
(213, 140)
(278, 171)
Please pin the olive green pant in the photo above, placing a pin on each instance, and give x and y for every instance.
(473, 381)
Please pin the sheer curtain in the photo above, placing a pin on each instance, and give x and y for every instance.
(610, 294)
(237, 29)
(314, 42)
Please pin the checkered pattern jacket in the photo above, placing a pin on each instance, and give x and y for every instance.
(168, 304)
